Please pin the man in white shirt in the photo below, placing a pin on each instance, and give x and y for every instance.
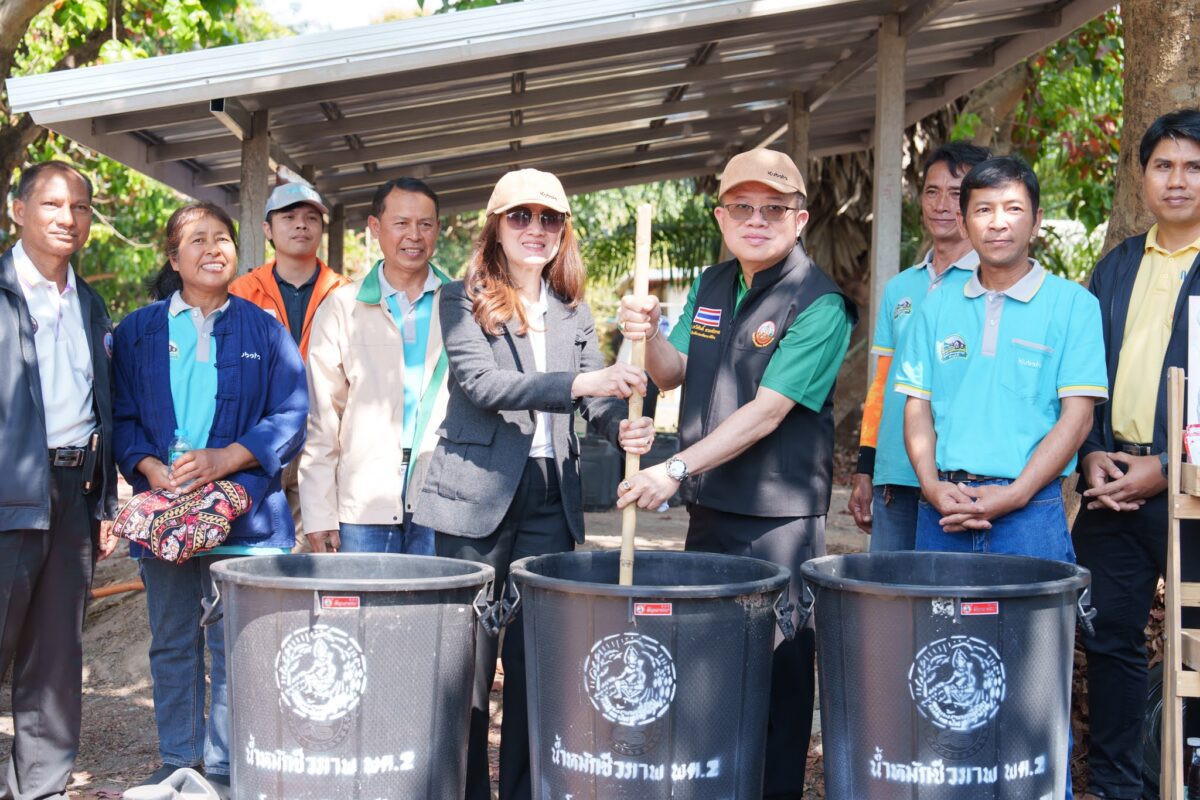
(55, 433)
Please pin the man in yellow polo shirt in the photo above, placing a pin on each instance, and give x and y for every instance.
(1120, 535)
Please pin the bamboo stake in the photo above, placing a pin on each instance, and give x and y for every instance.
(641, 287)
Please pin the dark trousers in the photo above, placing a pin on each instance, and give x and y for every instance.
(45, 577)
(789, 542)
(1126, 552)
(534, 525)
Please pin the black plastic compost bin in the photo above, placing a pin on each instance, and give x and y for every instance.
(945, 676)
(656, 690)
(350, 674)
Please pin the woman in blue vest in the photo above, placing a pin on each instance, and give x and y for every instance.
(504, 479)
(227, 377)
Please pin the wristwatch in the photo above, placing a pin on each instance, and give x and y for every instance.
(676, 469)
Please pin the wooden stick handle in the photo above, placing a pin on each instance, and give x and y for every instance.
(641, 286)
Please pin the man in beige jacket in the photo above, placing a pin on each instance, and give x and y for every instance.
(377, 383)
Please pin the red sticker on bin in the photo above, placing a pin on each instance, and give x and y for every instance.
(652, 609)
(339, 601)
(980, 609)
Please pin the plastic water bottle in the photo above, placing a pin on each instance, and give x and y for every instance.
(1193, 773)
(179, 446)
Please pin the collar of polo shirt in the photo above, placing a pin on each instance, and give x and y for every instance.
(1023, 290)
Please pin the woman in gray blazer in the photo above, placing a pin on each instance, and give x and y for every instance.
(503, 482)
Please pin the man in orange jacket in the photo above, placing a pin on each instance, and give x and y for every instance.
(292, 286)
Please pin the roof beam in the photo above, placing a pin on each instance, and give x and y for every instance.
(853, 63)
(154, 118)
(1010, 53)
(240, 122)
(863, 56)
(434, 145)
(938, 37)
(983, 31)
(538, 153)
(564, 166)
(920, 14)
(425, 113)
(607, 49)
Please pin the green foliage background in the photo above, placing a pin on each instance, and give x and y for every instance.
(130, 209)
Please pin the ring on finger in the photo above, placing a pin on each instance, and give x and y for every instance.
(625, 486)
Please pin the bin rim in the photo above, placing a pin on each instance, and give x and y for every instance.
(780, 580)
(1081, 578)
(472, 574)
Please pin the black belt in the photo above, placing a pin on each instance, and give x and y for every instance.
(961, 476)
(1133, 449)
(67, 456)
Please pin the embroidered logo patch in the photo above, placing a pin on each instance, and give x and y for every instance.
(172, 351)
(764, 335)
(953, 346)
(902, 309)
(709, 317)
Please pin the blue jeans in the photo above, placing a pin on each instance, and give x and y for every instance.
(173, 593)
(1039, 529)
(408, 538)
(894, 518)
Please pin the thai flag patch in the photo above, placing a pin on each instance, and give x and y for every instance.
(709, 317)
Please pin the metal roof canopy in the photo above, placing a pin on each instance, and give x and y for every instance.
(603, 93)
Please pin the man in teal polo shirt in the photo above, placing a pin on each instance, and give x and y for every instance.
(1002, 378)
(885, 492)
(377, 383)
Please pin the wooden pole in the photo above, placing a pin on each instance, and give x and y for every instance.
(641, 287)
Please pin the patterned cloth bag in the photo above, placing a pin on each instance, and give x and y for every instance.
(176, 527)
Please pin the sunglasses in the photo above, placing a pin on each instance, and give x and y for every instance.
(552, 221)
(740, 212)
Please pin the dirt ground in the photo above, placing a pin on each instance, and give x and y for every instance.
(119, 745)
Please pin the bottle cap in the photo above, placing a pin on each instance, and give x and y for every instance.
(180, 432)
(1193, 741)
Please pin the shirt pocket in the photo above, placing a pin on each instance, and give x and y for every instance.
(1022, 368)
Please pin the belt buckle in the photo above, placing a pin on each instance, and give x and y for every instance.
(66, 458)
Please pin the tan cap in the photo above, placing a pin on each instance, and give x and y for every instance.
(528, 187)
(770, 167)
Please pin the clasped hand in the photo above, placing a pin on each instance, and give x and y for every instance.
(1119, 481)
(971, 508)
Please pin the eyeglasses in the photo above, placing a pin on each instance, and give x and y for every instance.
(552, 221)
(741, 212)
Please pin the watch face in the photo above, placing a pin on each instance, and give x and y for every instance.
(676, 469)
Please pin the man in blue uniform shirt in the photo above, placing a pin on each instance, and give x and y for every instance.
(1001, 378)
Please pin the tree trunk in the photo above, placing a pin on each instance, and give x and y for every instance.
(1162, 73)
